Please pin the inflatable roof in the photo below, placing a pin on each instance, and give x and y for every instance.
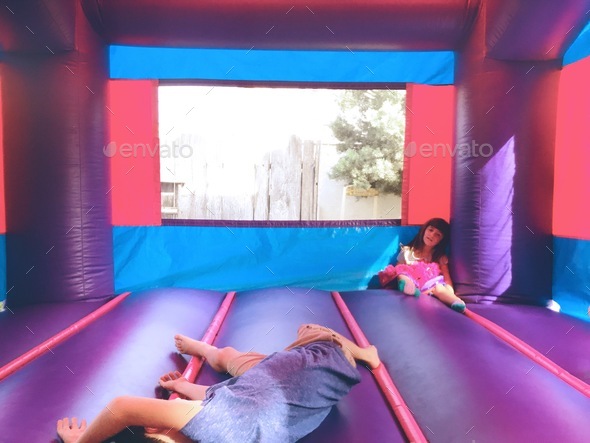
(394, 25)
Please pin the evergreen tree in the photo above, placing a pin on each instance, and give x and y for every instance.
(370, 129)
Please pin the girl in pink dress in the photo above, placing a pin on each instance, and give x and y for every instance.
(423, 267)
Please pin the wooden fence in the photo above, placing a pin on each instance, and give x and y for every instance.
(283, 185)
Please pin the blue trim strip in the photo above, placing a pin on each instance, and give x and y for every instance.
(241, 258)
(425, 67)
(580, 48)
(571, 276)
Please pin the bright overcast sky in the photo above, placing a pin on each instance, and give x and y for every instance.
(232, 113)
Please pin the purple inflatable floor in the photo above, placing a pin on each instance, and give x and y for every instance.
(24, 327)
(461, 382)
(564, 339)
(267, 321)
(122, 353)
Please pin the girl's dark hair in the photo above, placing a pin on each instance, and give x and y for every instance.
(440, 249)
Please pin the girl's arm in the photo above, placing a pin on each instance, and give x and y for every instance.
(443, 264)
(123, 412)
(402, 256)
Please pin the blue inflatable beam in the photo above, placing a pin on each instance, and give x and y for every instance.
(239, 258)
(428, 67)
(580, 48)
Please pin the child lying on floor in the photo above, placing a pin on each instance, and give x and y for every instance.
(276, 398)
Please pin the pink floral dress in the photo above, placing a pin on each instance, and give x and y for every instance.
(425, 275)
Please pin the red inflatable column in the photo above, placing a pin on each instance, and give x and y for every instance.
(572, 156)
(430, 117)
(134, 153)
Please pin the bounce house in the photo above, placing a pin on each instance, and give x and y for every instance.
(94, 283)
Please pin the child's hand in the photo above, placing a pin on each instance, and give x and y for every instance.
(70, 432)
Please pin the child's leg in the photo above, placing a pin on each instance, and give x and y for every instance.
(446, 294)
(123, 412)
(368, 355)
(225, 359)
(174, 381)
(217, 358)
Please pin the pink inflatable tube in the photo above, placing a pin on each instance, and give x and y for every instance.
(394, 398)
(530, 352)
(60, 337)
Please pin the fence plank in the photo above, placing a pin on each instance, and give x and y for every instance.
(260, 199)
(309, 181)
(282, 185)
(285, 182)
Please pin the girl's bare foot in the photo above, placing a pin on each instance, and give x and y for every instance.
(70, 432)
(190, 346)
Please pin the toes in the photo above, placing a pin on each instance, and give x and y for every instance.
(168, 376)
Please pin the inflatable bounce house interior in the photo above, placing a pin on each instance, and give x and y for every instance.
(94, 284)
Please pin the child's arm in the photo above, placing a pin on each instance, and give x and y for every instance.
(402, 256)
(443, 264)
(129, 411)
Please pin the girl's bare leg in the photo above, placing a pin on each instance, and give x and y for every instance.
(219, 359)
(446, 294)
(123, 412)
(174, 381)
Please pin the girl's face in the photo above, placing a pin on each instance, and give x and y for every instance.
(432, 236)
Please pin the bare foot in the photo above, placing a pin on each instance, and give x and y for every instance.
(190, 346)
(70, 432)
(173, 381)
(371, 357)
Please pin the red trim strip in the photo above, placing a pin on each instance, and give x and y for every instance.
(392, 395)
(530, 352)
(60, 337)
(195, 364)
